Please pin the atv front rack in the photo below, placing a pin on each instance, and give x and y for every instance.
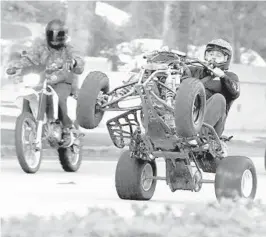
(122, 127)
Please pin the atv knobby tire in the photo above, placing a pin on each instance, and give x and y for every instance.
(88, 113)
(189, 123)
(128, 178)
(235, 178)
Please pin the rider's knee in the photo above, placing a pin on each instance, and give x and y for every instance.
(219, 100)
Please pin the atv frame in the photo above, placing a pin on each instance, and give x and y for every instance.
(149, 137)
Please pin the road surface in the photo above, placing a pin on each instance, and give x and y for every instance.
(53, 191)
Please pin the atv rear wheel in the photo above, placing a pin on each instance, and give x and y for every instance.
(190, 104)
(89, 113)
(235, 178)
(131, 178)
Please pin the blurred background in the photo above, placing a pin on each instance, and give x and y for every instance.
(113, 35)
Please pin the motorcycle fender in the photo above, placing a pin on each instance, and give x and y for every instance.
(31, 96)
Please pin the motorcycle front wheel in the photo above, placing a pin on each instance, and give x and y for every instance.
(25, 137)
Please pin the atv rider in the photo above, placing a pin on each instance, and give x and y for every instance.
(224, 87)
(52, 51)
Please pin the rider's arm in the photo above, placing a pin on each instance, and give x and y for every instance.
(191, 71)
(78, 62)
(231, 82)
(25, 65)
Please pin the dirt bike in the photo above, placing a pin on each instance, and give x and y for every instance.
(39, 122)
(166, 120)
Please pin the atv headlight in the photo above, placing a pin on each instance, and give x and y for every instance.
(31, 80)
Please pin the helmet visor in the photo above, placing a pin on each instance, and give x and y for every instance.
(56, 37)
(215, 56)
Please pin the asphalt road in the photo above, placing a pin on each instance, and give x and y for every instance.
(53, 191)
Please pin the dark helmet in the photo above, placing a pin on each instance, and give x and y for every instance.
(56, 34)
(223, 47)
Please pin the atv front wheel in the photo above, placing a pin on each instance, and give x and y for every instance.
(190, 104)
(235, 178)
(25, 136)
(131, 178)
(89, 113)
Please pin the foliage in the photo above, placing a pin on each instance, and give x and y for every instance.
(242, 23)
(229, 219)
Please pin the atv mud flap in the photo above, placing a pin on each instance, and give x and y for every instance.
(122, 127)
(179, 175)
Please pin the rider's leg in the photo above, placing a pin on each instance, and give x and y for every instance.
(216, 116)
(63, 91)
(216, 112)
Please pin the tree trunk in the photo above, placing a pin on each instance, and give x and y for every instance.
(80, 22)
(236, 25)
(236, 46)
(183, 26)
(168, 36)
(176, 25)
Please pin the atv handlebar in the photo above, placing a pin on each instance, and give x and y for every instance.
(202, 63)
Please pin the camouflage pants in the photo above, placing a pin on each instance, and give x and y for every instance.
(63, 90)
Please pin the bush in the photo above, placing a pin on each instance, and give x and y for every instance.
(230, 220)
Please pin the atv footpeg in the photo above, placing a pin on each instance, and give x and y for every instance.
(122, 127)
(226, 139)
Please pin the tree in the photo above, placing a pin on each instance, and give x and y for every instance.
(239, 22)
(80, 19)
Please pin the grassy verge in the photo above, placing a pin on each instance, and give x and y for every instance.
(230, 220)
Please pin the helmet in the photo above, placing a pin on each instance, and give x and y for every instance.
(222, 46)
(56, 34)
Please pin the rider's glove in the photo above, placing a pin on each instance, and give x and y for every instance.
(72, 63)
(218, 72)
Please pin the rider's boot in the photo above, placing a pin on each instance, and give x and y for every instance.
(69, 136)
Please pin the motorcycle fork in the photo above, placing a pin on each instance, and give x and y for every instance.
(40, 119)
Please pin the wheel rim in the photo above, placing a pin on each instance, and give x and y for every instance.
(197, 181)
(32, 157)
(247, 183)
(196, 109)
(99, 102)
(146, 181)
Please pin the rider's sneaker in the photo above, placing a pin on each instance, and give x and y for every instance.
(223, 152)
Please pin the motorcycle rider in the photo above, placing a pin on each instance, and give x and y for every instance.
(55, 51)
(223, 89)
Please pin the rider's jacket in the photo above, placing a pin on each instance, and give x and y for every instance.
(44, 56)
(228, 86)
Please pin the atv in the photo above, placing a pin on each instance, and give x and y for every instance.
(166, 121)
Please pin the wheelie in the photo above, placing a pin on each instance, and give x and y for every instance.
(44, 115)
(168, 120)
